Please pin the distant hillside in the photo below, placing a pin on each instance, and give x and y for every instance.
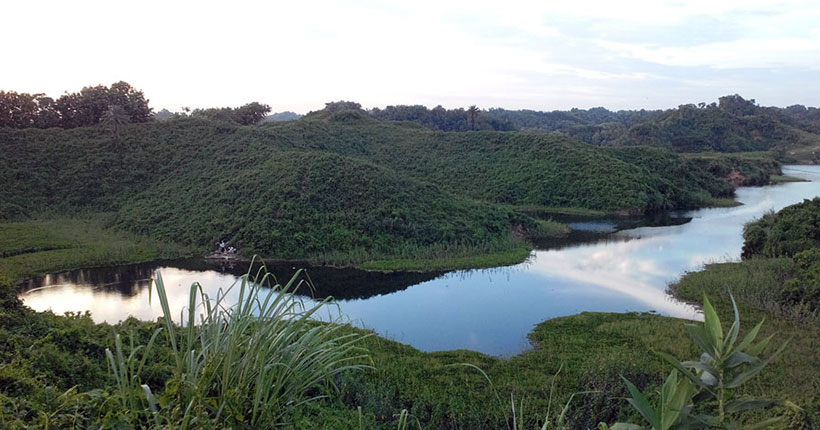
(733, 124)
(336, 181)
(282, 116)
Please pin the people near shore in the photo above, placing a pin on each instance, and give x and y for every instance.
(222, 246)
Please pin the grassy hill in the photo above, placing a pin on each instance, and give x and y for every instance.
(336, 184)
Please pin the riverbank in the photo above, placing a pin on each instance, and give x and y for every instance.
(36, 247)
(590, 350)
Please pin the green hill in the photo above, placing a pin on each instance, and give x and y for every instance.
(338, 184)
(788, 232)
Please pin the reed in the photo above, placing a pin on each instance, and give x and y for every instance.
(240, 365)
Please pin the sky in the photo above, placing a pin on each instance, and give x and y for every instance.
(297, 55)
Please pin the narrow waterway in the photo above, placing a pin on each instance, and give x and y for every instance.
(490, 311)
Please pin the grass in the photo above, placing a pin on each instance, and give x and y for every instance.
(778, 179)
(718, 202)
(40, 246)
(245, 364)
(756, 284)
(482, 261)
(547, 211)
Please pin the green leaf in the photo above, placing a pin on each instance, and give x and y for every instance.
(698, 335)
(686, 372)
(755, 369)
(641, 403)
(712, 327)
(700, 366)
(750, 337)
(740, 405)
(626, 426)
(731, 337)
(760, 346)
(737, 358)
(764, 424)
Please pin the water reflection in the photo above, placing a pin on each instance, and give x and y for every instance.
(485, 310)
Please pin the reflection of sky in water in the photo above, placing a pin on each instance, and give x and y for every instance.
(493, 310)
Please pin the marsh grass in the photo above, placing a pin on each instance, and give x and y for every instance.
(242, 365)
(504, 251)
(33, 247)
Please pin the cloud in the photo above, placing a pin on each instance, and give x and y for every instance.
(744, 53)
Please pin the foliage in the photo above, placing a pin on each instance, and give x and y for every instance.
(331, 183)
(244, 365)
(793, 229)
(88, 107)
(748, 169)
(731, 125)
(247, 114)
(705, 397)
(34, 247)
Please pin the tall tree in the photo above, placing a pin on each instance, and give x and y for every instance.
(473, 112)
(115, 117)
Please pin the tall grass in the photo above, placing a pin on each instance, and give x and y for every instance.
(243, 365)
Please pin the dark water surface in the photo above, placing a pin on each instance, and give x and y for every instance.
(613, 270)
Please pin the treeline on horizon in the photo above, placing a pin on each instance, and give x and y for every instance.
(92, 104)
(733, 124)
(596, 125)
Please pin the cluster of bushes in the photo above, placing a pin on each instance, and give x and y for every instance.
(786, 233)
(742, 170)
(793, 232)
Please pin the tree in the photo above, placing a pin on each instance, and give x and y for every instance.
(251, 113)
(473, 112)
(248, 114)
(115, 117)
(342, 105)
(131, 100)
(17, 110)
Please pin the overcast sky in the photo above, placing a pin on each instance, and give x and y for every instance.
(296, 55)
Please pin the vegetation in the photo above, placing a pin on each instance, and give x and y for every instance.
(34, 247)
(87, 107)
(786, 233)
(733, 124)
(248, 114)
(704, 396)
(44, 356)
(336, 182)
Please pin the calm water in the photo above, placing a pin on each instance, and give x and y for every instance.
(484, 310)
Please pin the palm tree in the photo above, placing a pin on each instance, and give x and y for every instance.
(115, 117)
(473, 111)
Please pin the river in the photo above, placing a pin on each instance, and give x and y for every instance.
(490, 311)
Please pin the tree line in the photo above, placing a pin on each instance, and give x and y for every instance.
(89, 106)
(118, 104)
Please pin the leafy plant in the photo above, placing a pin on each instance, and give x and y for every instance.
(706, 395)
(238, 365)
